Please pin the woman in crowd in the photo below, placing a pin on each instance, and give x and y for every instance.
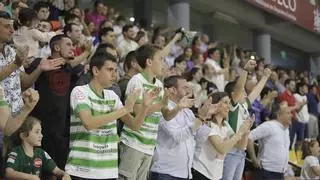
(310, 154)
(209, 157)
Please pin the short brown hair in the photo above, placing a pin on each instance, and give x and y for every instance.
(307, 144)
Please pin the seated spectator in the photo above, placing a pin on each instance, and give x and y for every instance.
(195, 61)
(42, 10)
(28, 162)
(310, 154)
(179, 66)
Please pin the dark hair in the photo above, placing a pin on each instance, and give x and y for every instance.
(99, 59)
(186, 48)
(212, 50)
(192, 72)
(25, 128)
(41, 4)
(97, 2)
(102, 47)
(144, 52)
(287, 81)
(307, 144)
(265, 92)
(140, 35)
(300, 85)
(15, 5)
(195, 55)
(126, 27)
(131, 57)
(211, 87)
(4, 15)
(55, 39)
(229, 88)
(104, 31)
(120, 18)
(216, 97)
(68, 28)
(69, 17)
(179, 59)
(154, 37)
(171, 81)
(26, 16)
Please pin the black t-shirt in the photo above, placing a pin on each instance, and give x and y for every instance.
(53, 108)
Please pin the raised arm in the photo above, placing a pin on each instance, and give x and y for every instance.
(258, 88)
(166, 50)
(31, 98)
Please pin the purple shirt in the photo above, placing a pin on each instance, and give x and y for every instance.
(259, 111)
(190, 65)
(96, 18)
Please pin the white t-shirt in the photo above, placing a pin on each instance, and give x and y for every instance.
(303, 114)
(306, 171)
(207, 160)
(218, 79)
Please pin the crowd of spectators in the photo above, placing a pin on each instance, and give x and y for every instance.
(87, 94)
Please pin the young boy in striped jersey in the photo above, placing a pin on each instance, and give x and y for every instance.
(94, 139)
(235, 159)
(137, 145)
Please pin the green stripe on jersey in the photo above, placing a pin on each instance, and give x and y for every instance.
(103, 102)
(141, 139)
(93, 163)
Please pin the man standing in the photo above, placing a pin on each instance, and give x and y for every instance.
(176, 138)
(274, 144)
(53, 108)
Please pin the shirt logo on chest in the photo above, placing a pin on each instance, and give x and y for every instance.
(59, 82)
(37, 162)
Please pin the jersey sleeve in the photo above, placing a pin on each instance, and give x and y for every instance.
(48, 163)
(13, 160)
(79, 100)
(135, 83)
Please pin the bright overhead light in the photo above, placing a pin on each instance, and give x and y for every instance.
(132, 19)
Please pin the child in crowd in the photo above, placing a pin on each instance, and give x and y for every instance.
(28, 162)
(310, 154)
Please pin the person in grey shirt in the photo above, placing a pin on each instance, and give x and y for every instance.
(274, 144)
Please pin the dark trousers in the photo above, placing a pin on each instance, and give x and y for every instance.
(268, 175)
(159, 176)
(197, 175)
(79, 178)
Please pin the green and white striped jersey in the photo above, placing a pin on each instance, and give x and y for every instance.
(143, 140)
(94, 153)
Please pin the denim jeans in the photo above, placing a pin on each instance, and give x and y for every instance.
(159, 176)
(234, 165)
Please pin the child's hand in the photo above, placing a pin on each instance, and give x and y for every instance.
(66, 177)
(34, 177)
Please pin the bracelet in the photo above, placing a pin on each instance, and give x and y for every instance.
(3, 103)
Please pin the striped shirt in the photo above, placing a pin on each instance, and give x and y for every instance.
(94, 153)
(143, 140)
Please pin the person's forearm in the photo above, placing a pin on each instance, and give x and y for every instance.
(166, 50)
(239, 86)
(225, 146)
(5, 114)
(12, 174)
(251, 151)
(258, 88)
(136, 123)
(27, 80)
(170, 114)
(7, 70)
(58, 172)
(79, 59)
(14, 123)
(99, 121)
